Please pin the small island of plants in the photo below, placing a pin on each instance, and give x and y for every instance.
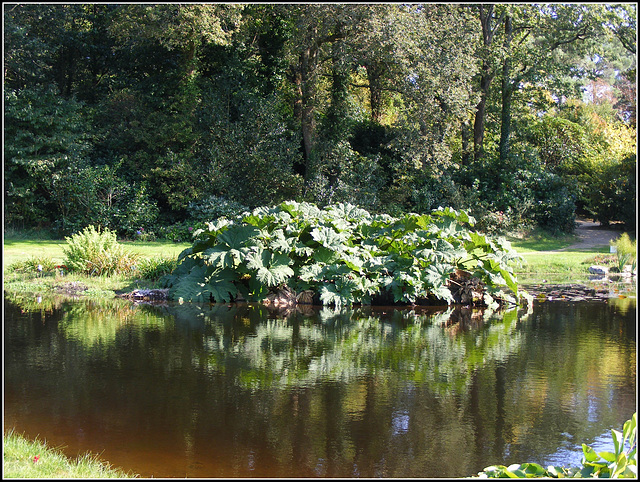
(342, 255)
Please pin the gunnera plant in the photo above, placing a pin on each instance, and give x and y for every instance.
(344, 255)
(96, 252)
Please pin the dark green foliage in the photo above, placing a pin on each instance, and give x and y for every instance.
(612, 196)
(155, 268)
(518, 197)
(45, 145)
(213, 207)
(554, 203)
(129, 116)
(343, 253)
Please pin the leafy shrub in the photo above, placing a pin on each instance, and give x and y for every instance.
(94, 252)
(554, 208)
(214, 207)
(45, 142)
(143, 235)
(609, 190)
(498, 211)
(625, 251)
(156, 267)
(179, 232)
(342, 253)
(526, 194)
(618, 464)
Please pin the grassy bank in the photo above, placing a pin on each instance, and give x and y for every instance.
(22, 257)
(33, 459)
(539, 264)
(16, 249)
(562, 263)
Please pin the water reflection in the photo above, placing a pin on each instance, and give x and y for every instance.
(241, 391)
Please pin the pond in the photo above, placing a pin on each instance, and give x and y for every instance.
(222, 391)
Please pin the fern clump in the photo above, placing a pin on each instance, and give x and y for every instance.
(97, 252)
(343, 254)
(625, 252)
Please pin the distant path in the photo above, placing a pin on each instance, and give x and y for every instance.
(591, 235)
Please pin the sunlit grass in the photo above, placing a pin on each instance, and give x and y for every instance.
(538, 241)
(27, 459)
(16, 249)
(570, 262)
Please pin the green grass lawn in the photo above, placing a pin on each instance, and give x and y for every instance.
(542, 242)
(21, 249)
(50, 252)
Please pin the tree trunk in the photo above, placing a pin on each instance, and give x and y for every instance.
(488, 31)
(307, 93)
(507, 96)
(303, 107)
(374, 76)
(466, 138)
(478, 124)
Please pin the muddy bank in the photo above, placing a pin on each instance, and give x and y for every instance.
(573, 292)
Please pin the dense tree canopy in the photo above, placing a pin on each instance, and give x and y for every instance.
(162, 116)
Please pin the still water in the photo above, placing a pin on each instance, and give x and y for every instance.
(239, 391)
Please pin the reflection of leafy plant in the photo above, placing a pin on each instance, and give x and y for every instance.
(346, 344)
(617, 464)
(343, 253)
(96, 322)
(30, 302)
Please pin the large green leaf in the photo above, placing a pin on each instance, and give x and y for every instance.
(328, 237)
(339, 293)
(325, 255)
(191, 287)
(221, 286)
(239, 236)
(280, 243)
(222, 257)
(271, 269)
(436, 277)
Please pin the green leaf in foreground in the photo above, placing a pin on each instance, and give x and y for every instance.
(617, 464)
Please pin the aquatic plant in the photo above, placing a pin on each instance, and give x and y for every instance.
(625, 252)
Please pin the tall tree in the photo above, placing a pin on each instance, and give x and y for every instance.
(491, 18)
(536, 44)
(315, 28)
